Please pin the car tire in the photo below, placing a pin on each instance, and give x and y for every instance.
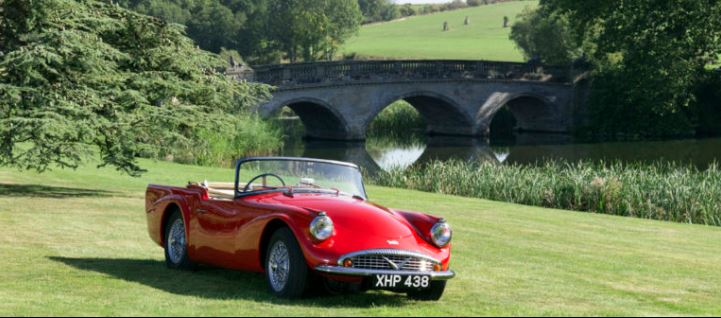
(285, 267)
(176, 243)
(433, 293)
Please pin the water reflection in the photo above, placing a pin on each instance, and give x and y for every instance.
(386, 153)
(396, 157)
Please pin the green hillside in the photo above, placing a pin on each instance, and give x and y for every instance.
(422, 37)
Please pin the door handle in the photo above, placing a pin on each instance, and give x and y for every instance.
(201, 211)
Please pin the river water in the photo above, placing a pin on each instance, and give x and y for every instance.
(402, 152)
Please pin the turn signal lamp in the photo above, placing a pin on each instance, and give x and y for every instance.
(436, 267)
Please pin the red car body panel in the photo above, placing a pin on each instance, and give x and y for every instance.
(231, 233)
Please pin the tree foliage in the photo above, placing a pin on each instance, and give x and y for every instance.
(210, 23)
(407, 10)
(79, 77)
(371, 9)
(313, 28)
(260, 30)
(545, 36)
(649, 56)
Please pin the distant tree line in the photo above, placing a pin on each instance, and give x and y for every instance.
(261, 31)
(650, 60)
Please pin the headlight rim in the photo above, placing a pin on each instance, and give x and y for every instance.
(317, 222)
(435, 239)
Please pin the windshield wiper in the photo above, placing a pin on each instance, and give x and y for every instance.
(292, 191)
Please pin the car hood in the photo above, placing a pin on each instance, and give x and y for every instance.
(351, 215)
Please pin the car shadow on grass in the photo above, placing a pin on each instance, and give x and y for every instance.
(52, 192)
(215, 283)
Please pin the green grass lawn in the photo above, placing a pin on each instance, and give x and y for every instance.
(75, 243)
(422, 37)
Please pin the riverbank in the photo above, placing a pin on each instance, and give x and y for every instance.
(660, 191)
(73, 239)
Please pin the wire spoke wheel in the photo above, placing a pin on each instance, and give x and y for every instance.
(279, 266)
(176, 242)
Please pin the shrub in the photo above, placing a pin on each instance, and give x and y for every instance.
(455, 4)
(222, 145)
(474, 3)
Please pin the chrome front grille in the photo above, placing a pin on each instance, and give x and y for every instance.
(391, 260)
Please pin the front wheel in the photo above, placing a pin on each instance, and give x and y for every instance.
(285, 265)
(431, 294)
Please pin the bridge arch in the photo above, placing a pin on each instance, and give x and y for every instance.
(442, 115)
(530, 111)
(320, 119)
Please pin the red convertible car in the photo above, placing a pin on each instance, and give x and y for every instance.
(301, 222)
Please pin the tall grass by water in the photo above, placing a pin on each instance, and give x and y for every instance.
(222, 145)
(662, 191)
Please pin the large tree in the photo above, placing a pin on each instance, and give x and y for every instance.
(382, 10)
(311, 28)
(648, 55)
(545, 35)
(253, 39)
(371, 9)
(345, 19)
(82, 77)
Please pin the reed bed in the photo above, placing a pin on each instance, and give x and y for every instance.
(220, 146)
(661, 191)
(398, 119)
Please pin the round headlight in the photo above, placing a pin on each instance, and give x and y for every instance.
(321, 227)
(441, 233)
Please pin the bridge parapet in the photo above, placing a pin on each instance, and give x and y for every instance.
(327, 73)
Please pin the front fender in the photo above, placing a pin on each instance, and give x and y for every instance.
(251, 245)
(315, 252)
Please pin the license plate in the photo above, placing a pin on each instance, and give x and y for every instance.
(401, 281)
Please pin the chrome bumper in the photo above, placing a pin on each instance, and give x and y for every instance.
(339, 270)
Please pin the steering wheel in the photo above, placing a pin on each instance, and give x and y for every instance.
(250, 183)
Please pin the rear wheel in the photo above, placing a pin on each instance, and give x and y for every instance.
(176, 243)
(285, 266)
(433, 293)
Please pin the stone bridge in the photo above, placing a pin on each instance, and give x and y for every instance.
(338, 100)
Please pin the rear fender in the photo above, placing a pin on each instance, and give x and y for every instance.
(167, 205)
(160, 202)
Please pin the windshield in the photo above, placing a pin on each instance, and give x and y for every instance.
(299, 175)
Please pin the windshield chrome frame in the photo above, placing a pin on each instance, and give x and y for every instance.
(240, 162)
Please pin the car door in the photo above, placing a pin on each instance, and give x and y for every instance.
(215, 231)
